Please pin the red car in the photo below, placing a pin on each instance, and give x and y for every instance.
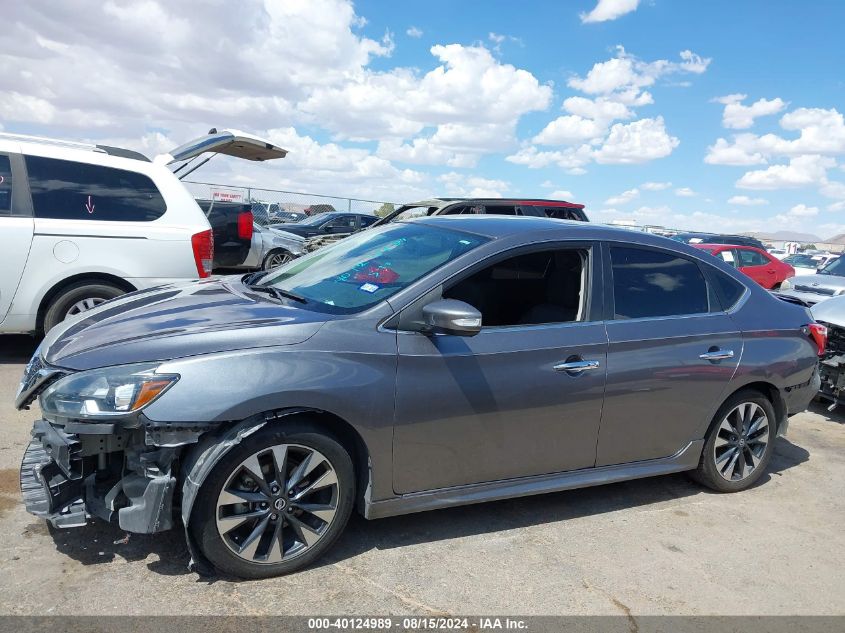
(766, 270)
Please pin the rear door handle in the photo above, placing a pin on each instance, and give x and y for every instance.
(577, 366)
(719, 354)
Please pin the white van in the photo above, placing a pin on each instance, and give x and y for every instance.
(81, 224)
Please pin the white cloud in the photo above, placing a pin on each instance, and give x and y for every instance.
(685, 192)
(569, 129)
(472, 186)
(625, 76)
(836, 206)
(655, 186)
(90, 66)
(636, 142)
(743, 151)
(800, 172)
(601, 109)
(803, 211)
(623, 198)
(739, 116)
(820, 131)
(745, 201)
(588, 132)
(562, 194)
(609, 10)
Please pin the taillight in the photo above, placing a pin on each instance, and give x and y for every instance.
(203, 245)
(245, 220)
(818, 333)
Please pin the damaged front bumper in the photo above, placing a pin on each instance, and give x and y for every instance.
(72, 471)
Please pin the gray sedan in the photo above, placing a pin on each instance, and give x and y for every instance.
(419, 365)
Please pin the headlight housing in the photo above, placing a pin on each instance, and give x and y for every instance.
(107, 392)
(785, 284)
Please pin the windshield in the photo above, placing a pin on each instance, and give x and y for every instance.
(315, 219)
(360, 271)
(805, 261)
(834, 267)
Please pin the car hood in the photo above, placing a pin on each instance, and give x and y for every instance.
(178, 320)
(831, 311)
(818, 280)
(299, 230)
(279, 233)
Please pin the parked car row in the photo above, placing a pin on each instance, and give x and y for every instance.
(420, 364)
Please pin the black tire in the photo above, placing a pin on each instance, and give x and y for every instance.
(707, 473)
(59, 306)
(203, 522)
(269, 258)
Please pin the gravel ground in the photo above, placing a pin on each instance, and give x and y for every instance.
(654, 546)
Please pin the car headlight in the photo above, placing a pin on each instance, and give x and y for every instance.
(111, 391)
(785, 284)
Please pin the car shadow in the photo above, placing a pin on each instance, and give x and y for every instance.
(99, 543)
(17, 348)
(821, 407)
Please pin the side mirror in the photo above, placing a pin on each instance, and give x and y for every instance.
(449, 316)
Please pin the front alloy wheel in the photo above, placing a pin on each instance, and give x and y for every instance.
(277, 503)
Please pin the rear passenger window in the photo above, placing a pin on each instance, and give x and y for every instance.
(5, 185)
(68, 190)
(649, 283)
(751, 258)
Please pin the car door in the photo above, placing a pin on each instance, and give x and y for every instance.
(16, 227)
(340, 225)
(672, 351)
(521, 398)
(757, 266)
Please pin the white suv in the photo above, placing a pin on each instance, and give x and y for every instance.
(81, 224)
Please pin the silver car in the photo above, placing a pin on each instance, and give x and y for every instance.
(271, 248)
(829, 281)
(414, 366)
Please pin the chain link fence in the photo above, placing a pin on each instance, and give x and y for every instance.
(270, 205)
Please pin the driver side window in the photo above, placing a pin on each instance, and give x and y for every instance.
(529, 289)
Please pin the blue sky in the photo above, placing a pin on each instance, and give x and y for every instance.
(589, 100)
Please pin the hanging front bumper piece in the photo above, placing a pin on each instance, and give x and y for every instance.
(74, 471)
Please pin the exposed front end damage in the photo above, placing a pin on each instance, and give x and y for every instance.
(832, 366)
(122, 472)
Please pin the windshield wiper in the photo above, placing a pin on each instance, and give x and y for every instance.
(278, 293)
(251, 278)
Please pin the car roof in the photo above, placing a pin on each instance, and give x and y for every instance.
(442, 202)
(720, 245)
(499, 226)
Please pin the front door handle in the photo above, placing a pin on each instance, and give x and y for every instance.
(718, 354)
(577, 366)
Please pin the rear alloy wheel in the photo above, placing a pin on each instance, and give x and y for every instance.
(276, 259)
(275, 505)
(77, 299)
(739, 445)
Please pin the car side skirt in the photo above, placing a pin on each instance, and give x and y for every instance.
(685, 459)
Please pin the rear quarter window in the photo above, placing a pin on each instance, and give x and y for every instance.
(69, 190)
(728, 290)
(650, 283)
